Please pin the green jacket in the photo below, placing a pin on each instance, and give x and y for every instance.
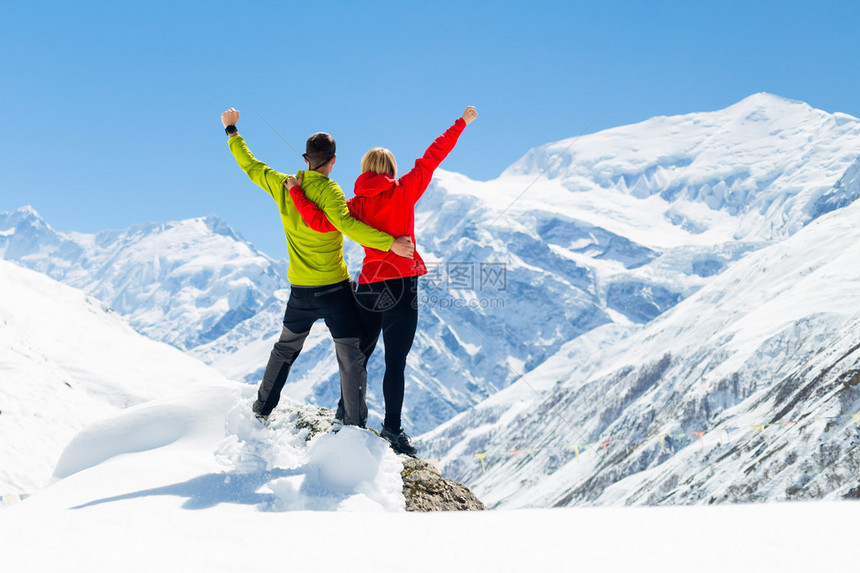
(315, 258)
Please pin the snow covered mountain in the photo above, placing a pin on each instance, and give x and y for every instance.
(746, 391)
(185, 283)
(199, 286)
(65, 362)
(772, 164)
(612, 229)
(600, 233)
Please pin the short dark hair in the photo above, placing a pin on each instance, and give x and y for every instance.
(319, 149)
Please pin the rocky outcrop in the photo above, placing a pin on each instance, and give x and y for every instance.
(314, 419)
(426, 490)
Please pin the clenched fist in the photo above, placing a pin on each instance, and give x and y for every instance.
(230, 117)
(468, 116)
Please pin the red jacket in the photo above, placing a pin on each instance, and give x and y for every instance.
(389, 206)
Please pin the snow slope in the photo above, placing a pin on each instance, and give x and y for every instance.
(206, 447)
(65, 361)
(212, 494)
(747, 390)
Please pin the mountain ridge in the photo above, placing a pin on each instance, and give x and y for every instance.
(520, 265)
(785, 355)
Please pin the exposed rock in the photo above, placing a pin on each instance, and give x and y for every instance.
(426, 490)
(314, 419)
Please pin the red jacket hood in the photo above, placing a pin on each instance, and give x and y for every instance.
(370, 184)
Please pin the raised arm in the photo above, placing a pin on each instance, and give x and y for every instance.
(416, 181)
(256, 170)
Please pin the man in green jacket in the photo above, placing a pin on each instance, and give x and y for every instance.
(317, 273)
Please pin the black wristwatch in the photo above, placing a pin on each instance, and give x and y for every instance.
(230, 129)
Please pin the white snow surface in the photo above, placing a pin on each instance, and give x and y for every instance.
(206, 448)
(212, 488)
(157, 534)
(66, 361)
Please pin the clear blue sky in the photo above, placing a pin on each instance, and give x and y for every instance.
(111, 109)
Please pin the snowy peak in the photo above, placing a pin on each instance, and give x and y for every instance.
(765, 158)
(24, 232)
(162, 276)
(199, 226)
(184, 232)
(27, 212)
(766, 104)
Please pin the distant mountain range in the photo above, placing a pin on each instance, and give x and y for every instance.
(549, 281)
(746, 390)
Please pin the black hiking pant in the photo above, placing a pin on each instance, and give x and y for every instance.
(389, 307)
(336, 305)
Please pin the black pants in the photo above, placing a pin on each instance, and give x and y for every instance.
(390, 307)
(336, 304)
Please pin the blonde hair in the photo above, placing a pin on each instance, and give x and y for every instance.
(379, 160)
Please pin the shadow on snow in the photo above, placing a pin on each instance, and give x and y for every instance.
(210, 490)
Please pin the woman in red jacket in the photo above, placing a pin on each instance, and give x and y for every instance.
(387, 291)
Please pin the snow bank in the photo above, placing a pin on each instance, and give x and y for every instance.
(65, 362)
(205, 448)
(352, 470)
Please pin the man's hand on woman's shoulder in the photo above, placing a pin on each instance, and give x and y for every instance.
(294, 181)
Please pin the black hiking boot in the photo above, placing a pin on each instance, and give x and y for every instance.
(400, 442)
